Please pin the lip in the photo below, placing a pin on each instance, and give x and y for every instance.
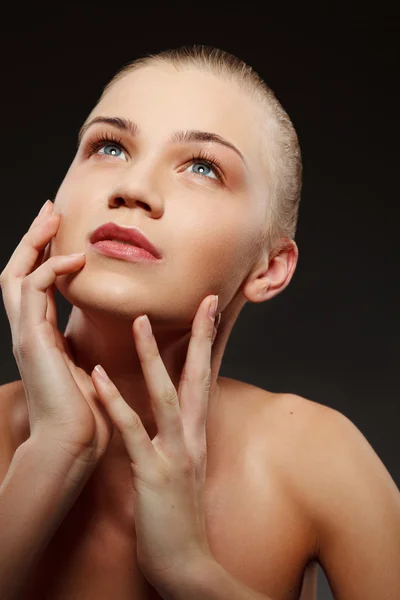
(133, 235)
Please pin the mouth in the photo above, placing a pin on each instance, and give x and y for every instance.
(124, 251)
(124, 238)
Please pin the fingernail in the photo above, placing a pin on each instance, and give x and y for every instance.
(145, 326)
(101, 372)
(41, 211)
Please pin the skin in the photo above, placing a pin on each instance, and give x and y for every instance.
(205, 229)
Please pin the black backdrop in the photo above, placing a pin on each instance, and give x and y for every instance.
(332, 335)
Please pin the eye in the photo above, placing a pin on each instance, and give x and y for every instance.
(203, 169)
(114, 150)
(206, 165)
(103, 141)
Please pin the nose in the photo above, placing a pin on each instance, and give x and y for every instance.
(139, 186)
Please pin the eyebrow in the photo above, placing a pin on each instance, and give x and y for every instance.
(190, 135)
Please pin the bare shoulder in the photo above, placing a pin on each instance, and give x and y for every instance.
(287, 427)
(352, 502)
(292, 416)
(307, 434)
(325, 456)
(300, 437)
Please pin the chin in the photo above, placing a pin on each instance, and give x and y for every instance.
(90, 298)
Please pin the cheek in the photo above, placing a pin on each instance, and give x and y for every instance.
(73, 228)
(218, 255)
(75, 201)
(80, 186)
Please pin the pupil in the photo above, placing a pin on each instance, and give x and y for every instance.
(201, 168)
(113, 150)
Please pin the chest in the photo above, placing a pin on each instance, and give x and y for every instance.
(255, 530)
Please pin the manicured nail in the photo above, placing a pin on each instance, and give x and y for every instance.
(101, 372)
(44, 207)
(145, 326)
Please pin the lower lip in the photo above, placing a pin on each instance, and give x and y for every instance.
(124, 251)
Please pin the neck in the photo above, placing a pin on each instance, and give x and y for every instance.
(109, 341)
(111, 344)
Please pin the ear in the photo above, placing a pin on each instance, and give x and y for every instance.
(272, 273)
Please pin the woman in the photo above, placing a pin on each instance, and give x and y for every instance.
(164, 479)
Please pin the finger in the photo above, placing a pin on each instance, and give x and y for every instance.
(43, 255)
(46, 209)
(195, 383)
(51, 317)
(34, 288)
(39, 220)
(163, 395)
(46, 252)
(136, 439)
(51, 313)
(22, 263)
(44, 212)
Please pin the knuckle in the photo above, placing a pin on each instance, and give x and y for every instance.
(170, 396)
(27, 282)
(204, 377)
(28, 238)
(133, 422)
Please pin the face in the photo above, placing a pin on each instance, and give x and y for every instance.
(204, 218)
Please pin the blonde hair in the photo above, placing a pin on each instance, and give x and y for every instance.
(282, 150)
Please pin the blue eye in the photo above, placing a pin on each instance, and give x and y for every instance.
(106, 140)
(206, 164)
(209, 164)
(204, 169)
(113, 152)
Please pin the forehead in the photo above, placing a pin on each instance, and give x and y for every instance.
(161, 100)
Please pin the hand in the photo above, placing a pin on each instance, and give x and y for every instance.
(169, 471)
(61, 398)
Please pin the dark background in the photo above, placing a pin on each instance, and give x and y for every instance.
(332, 335)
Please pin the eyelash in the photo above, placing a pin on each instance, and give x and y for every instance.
(202, 156)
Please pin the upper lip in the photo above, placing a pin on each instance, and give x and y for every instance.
(133, 235)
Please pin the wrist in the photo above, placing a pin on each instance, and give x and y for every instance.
(54, 459)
